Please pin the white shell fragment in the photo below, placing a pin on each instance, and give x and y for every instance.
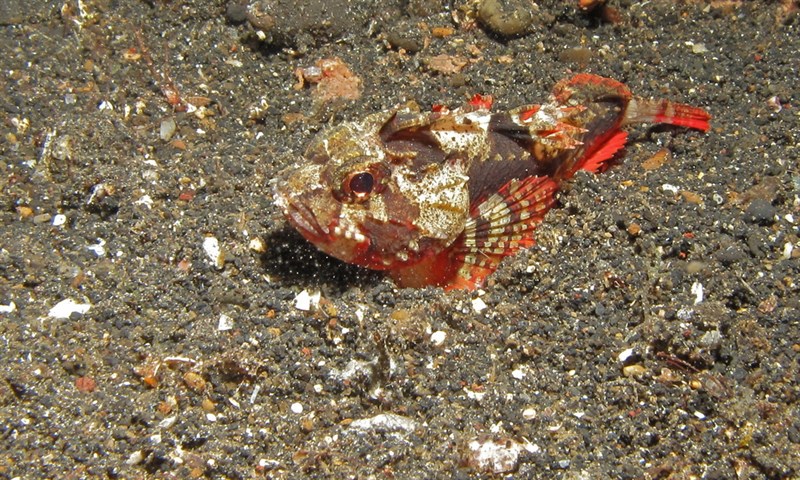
(214, 252)
(99, 248)
(306, 301)
(670, 188)
(386, 422)
(478, 305)
(65, 308)
(697, 290)
(495, 456)
(225, 323)
(438, 337)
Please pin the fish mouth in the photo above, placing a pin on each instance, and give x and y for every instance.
(300, 215)
(317, 216)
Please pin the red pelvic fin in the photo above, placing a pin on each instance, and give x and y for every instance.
(664, 111)
(595, 161)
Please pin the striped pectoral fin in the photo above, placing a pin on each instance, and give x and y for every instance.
(498, 227)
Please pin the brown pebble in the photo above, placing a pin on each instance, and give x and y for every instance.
(695, 267)
(42, 218)
(85, 384)
(692, 197)
(150, 381)
(442, 32)
(634, 370)
(208, 405)
(634, 229)
(580, 56)
(24, 212)
(195, 381)
(657, 160)
(307, 424)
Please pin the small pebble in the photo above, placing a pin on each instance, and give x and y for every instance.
(633, 370)
(41, 218)
(529, 414)
(760, 212)
(509, 18)
(438, 337)
(168, 128)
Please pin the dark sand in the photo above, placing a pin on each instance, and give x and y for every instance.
(653, 332)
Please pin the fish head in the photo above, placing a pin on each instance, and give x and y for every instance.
(358, 198)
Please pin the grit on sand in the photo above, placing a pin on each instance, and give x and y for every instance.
(159, 318)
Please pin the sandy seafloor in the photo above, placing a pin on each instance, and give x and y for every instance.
(654, 331)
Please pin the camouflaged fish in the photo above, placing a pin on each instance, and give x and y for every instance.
(440, 198)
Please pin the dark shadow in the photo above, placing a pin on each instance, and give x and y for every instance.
(297, 262)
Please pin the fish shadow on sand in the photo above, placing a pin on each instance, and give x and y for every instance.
(297, 262)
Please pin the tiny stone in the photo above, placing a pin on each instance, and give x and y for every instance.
(42, 218)
(438, 337)
(509, 18)
(633, 370)
(257, 245)
(711, 339)
(625, 354)
(529, 414)
(760, 212)
(297, 408)
(168, 128)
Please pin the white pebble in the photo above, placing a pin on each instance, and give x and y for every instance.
(306, 301)
(297, 408)
(257, 245)
(438, 337)
(787, 250)
(59, 220)
(225, 323)
(697, 290)
(478, 305)
(65, 308)
(8, 308)
(168, 127)
(214, 252)
(625, 354)
(529, 414)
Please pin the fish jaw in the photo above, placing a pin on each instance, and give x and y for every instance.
(306, 203)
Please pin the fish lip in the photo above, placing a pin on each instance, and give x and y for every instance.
(298, 214)
(303, 218)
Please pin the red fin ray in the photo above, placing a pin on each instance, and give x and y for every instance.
(664, 111)
(597, 160)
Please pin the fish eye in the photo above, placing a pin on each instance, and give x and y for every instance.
(360, 184)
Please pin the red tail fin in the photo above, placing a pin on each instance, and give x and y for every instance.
(664, 111)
